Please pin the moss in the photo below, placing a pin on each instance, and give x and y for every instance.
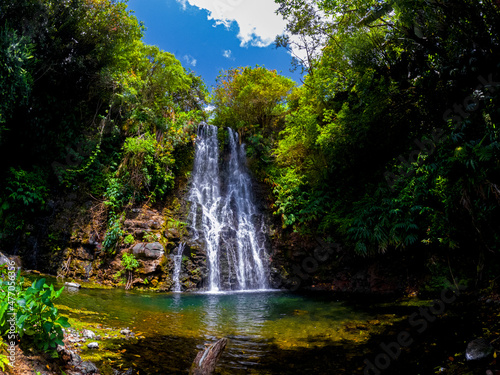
(109, 354)
(175, 205)
(93, 285)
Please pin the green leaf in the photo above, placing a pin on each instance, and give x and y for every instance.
(58, 293)
(39, 284)
(47, 326)
(63, 321)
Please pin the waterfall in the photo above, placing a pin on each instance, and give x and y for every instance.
(205, 197)
(224, 215)
(177, 267)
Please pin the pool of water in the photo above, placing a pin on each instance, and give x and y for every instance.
(261, 326)
(269, 332)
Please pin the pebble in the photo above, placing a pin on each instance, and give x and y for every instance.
(73, 285)
(88, 334)
(93, 345)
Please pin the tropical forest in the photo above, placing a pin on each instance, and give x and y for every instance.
(155, 222)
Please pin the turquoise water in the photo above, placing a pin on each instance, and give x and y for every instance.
(264, 328)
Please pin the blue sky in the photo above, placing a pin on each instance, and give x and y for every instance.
(208, 36)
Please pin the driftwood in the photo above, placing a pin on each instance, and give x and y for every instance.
(206, 360)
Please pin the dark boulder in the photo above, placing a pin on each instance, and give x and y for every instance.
(153, 250)
(478, 349)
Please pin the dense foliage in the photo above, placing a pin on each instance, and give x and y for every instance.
(392, 140)
(85, 104)
(252, 101)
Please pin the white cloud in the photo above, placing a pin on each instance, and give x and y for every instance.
(227, 53)
(190, 60)
(257, 21)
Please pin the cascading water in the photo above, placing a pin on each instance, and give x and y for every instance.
(177, 267)
(224, 215)
(205, 197)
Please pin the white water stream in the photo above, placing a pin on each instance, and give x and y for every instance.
(224, 215)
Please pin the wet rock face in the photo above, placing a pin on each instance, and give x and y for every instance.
(144, 224)
(83, 253)
(71, 244)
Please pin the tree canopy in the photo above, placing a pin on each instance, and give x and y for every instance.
(250, 98)
(392, 140)
(85, 104)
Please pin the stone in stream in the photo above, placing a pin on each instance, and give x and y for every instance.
(88, 367)
(478, 349)
(73, 285)
(87, 333)
(68, 356)
(93, 345)
(126, 332)
(130, 371)
(4, 259)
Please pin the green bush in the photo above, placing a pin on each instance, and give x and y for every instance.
(25, 194)
(147, 165)
(129, 262)
(113, 234)
(36, 317)
(129, 239)
(15, 80)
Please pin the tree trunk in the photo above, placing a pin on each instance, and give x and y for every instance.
(129, 280)
(206, 360)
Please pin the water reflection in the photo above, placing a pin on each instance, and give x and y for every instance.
(253, 322)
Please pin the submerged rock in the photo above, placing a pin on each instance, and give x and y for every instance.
(88, 367)
(130, 371)
(478, 349)
(73, 285)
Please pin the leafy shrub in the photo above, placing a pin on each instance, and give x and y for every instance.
(149, 237)
(115, 194)
(4, 359)
(28, 189)
(147, 165)
(129, 262)
(15, 80)
(129, 239)
(25, 194)
(36, 316)
(113, 234)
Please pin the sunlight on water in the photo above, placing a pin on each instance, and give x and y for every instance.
(284, 319)
(261, 325)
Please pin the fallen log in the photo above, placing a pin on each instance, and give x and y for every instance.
(206, 360)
